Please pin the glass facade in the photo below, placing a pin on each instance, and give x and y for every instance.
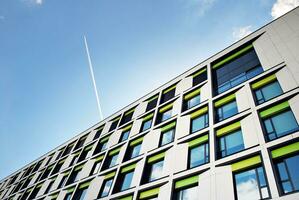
(190, 193)
(268, 92)
(146, 125)
(199, 123)
(226, 111)
(167, 137)
(198, 155)
(106, 187)
(230, 144)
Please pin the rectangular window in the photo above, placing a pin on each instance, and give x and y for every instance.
(49, 187)
(125, 177)
(80, 193)
(199, 119)
(152, 103)
(230, 140)
(26, 194)
(97, 164)
(186, 189)
(111, 159)
(165, 113)
(198, 151)
(75, 175)
(68, 149)
(80, 142)
(266, 89)
(199, 76)
(286, 161)
(102, 145)
(226, 107)
(235, 68)
(98, 133)
(114, 124)
(86, 153)
(134, 149)
(37, 166)
(69, 193)
(147, 122)
(58, 167)
(35, 191)
(125, 133)
(106, 185)
(154, 168)
(167, 133)
(26, 183)
(278, 121)
(191, 99)
(127, 116)
(46, 173)
(75, 158)
(63, 180)
(168, 94)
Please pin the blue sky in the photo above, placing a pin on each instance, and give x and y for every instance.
(46, 94)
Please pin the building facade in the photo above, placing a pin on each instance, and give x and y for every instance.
(225, 129)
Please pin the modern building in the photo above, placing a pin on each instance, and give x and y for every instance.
(225, 129)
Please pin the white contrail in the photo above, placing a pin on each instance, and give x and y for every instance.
(93, 79)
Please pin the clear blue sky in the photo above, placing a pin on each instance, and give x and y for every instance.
(136, 46)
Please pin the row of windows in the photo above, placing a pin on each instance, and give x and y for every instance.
(249, 178)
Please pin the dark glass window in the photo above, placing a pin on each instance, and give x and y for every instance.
(288, 174)
(127, 117)
(236, 71)
(267, 92)
(153, 171)
(230, 144)
(189, 193)
(25, 195)
(165, 115)
(191, 102)
(80, 194)
(57, 167)
(199, 78)
(74, 160)
(152, 103)
(113, 125)
(46, 173)
(251, 184)
(96, 167)
(199, 122)
(146, 125)
(167, 94)
(74, 176)
(98, 133)
(198, 155)
(106, 187)
(80, 142)
(133, 151)
(102, 145)
(63, 181)
(59, 154)
(85, 154)
(49, 159)
(280, 125)
(34, 192)
(68, 196)
(37, 166)
(124, 181)
(68, 149)
(17, 188)
(167, 137)
(227, 110)
(26, 183)
(48, 189)
(110, 161)
(124, 135)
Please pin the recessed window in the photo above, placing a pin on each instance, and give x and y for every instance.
(154, 168)
(226, 107)
(199, 76)
(168, 94)
(152, 103)
(235, 68)
(98, 133)
(147, 122)
(106, 185)
(58, 167)
(75, 158)
(80, 142)
(49, 187)
(69, 193)
(75, 175)
(251, 174)
(49, 159)
(198, 151)
(127, 116)
(191, 99)
(54, 196)
(278, 121)
(80, 193)
(26, 183)
(165, 113)
(46, 172)
(64, 179)
(186, 189)
(102, 145)
(286, 161)
(35, 191)
(125, 133)
(134, 148)
(25, 195)
(111, 159)
(114, 124)
(266, 89)
(230, 140)
(86, 153)
(199, 119)
(124, 180)
(68, 149)
(97, 164)
(167, 133)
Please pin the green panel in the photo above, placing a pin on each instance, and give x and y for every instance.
(233, 56)
(70, 190)
(116, 119)
(275, 110)
(165, 108)
(199, 112)
(67, 173)
(198, 141)
(228, 129)
(282, 151)
(169, 89)
(149, 193)
(168, 127)
(147, 117)
(128, 168)
(79, 167)
(126, 198)
(99, 158)
(244, 164)
(137, 141)
(192, 94)
(199, 72)
(130, 111)
(225, 100)
(186, 182)
(62, 161)
(88, 148)
(156, 157)
(114, 151)
(110, 175)
(127, 128)
(153, 98)
(105, 139)
(84, 185)
(39, 185)
(263, 82)
(54, 196)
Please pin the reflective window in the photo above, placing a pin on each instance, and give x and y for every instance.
(268, 92)
(167, 137)
(288, 173)
(192, 102)
(198, 155)
(106, 188)
(226, 111)
(190, 193)
(113, 160)
(280, 125)
(146, 125)
(126, 181)
(68, 196)
(251, 184)
(96, 167)
(156, 170)
(199, 123)
(124, 136)
(230, 144)
(80, 194)
(166, 115)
